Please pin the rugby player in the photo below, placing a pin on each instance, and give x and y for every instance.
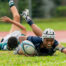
(10, 41)
(45, 42)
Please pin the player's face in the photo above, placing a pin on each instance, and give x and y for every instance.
(48, 42)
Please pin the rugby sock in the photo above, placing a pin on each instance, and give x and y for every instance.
(11, 3)
(29, 21)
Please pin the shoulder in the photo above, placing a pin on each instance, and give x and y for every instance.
(56, 42)
(35, 39)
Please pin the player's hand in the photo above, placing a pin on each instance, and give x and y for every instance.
(5, 19)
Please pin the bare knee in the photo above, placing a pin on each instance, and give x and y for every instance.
(17, 17)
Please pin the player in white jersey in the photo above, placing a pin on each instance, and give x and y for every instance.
(15, 29)
(16, 34)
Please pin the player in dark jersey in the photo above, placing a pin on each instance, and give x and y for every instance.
(45, 42)
(45, 45)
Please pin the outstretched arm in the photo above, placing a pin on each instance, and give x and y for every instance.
(7, 19)
(61, 48)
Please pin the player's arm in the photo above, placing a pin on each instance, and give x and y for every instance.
(7, 19)
(61, 48)
(36, 30)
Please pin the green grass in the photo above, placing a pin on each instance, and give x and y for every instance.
(7, 58)
(54, 23)
(5, 27)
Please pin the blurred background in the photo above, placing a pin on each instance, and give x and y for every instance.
(45, 13)
(38, 8)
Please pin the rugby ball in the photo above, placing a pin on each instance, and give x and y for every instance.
(28, 47)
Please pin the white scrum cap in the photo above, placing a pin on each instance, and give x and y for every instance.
(48, 33)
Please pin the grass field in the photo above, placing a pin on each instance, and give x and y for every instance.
(7, 58)
(55, 23)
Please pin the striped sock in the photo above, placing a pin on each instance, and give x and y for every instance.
(11, 3)
(30, 22)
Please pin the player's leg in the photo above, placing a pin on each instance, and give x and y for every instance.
(34, 27)
(16, 15)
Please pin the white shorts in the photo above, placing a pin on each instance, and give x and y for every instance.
(16, 34)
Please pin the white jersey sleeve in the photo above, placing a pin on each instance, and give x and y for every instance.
(16, 34)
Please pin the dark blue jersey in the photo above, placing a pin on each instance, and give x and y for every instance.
(37, 41)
